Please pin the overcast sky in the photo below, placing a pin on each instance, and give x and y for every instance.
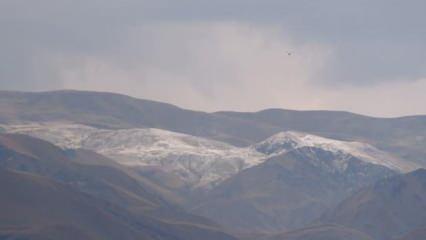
(365, 56)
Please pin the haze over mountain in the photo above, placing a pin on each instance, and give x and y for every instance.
(365, 57)
(212, 120)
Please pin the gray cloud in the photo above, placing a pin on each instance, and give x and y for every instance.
(221, 54)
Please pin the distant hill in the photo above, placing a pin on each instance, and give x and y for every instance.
(404, 136)
(109, 110)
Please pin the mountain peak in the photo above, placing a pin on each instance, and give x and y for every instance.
(284, 142)
(303, 139)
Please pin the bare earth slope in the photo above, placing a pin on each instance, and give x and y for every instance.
(287, 191)
(34, 207)
(386, 210)
(104, 181)
(322, 232)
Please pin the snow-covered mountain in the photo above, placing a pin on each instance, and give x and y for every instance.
(303, 176)
(198, 162)
(287, 141)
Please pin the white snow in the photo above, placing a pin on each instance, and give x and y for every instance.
(199, 162)
(286, 141)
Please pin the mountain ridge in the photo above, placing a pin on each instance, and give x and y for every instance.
(196, 162)
(286, 191)
(220, 112)
(405, 137)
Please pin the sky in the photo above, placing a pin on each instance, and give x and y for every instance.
(362, 56)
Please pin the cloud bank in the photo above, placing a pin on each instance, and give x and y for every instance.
(363, 56)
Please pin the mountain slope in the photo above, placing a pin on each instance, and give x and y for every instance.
(322, 232)
(39, 208)
(287, 191)
(417, 234)
(29, 154)
(36, 207)
(387, 209)
(102, 178)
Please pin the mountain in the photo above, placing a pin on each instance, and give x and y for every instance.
(39, 208)
(386, 210)
(29, 154)
(243, 188)
(105, 180)
(417, 234)
(109, 110)
(322, 232)
(189, 161)
(405, 137)
(193, 162)
(287, 141)
(288, 190)
(153, 160)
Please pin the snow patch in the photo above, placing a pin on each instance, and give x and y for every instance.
(286, 141)
(198, 162)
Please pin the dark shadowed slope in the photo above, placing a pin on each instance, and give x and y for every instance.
(417, 234)
(287, 191)
(403, 136)
(388, 209)
(34, 207)
(29, 154)
(168, 210)
(102, 178)
(322, 232)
